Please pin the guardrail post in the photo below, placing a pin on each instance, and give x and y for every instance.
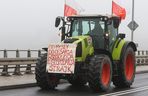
(17, 68)
(138, 60)
(142, 52)
(143, 59)
(146, 60)
(28, 69)
(146, 53)
(5, 67)
(39, 53)
(138, 53)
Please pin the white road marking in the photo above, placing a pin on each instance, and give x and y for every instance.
(127, 91)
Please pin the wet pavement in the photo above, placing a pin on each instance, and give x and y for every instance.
(30, 78)
(139, 88)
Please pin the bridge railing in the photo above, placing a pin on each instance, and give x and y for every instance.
(18, 62)
(141, 57)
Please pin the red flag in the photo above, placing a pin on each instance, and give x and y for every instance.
(71, 8)
(68, 10)
(118, 10)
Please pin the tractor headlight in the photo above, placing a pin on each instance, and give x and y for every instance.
(106, 34)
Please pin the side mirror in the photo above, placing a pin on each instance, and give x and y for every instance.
(116, 22)
(57, 21)
(121, 35)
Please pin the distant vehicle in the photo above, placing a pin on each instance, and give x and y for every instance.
(92, 51)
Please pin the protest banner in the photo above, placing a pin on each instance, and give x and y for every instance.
(61, 58)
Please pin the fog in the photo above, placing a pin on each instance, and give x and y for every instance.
(29, 24)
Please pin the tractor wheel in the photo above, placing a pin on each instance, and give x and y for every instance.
(44, 80)
(100, 73)
(76, 81)
(125, 69)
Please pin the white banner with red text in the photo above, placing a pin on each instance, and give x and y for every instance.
(61, 58)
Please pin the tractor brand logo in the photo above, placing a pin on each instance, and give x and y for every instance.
(61, 58)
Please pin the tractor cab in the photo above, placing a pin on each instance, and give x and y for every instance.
(102, 29)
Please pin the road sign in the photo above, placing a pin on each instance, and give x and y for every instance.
(133, 25)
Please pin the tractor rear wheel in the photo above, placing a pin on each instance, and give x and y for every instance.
(125, 69)
(44, 80)
(100, 73)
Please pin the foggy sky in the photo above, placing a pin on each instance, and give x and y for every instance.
(29, 24)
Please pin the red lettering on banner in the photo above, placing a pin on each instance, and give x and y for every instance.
(56, 68)
(61, 58)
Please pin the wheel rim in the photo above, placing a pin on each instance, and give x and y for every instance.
(129, 67)
(106, 74)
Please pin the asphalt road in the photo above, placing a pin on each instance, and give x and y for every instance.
(139, 88)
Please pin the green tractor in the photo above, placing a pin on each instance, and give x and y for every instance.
(91, 52)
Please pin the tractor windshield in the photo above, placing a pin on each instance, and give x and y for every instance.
(92, 27)
(87, 26)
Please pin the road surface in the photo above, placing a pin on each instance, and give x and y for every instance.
(139, 88)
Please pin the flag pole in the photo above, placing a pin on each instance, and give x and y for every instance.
(64, 8)
(63, 24)
(112, 8)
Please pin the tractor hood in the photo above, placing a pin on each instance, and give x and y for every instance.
(84, 46)
(78, 39)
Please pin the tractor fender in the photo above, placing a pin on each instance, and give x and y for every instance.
(132, 44)
(120, 47)
(117, 49)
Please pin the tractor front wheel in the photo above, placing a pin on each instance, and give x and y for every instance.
(44, 79)
(100, 73)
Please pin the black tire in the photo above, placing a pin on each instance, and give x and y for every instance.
(100, 73)
(76, 81)
(43, 79)
(125, 73)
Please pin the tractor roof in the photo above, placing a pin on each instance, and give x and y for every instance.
(95, 16)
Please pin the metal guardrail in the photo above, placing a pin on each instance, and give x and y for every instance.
(17, 61)
(18, 64)
(13, 62)
(141, 57)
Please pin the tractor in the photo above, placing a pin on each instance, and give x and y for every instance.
(91, 52)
